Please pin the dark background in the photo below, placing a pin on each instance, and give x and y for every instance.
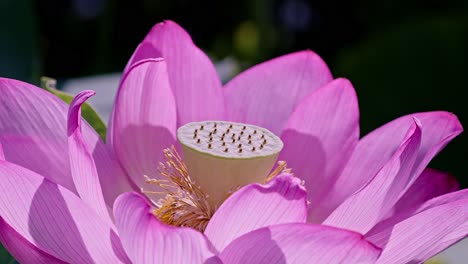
(401, 56)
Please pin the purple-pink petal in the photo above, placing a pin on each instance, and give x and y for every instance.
(267, 94)
(431, 183)
(23, 250)
(299, 243)
(283, 200)
(82, 166)
(375, 150)
(364, 209)
(146, 240)
(54, 220)
(193, 77)
(319, 138)
(144, 120)
(33, 133)
(425, 234)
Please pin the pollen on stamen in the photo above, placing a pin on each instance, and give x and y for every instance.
(185, 203)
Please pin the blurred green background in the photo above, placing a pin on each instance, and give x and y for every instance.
(401, 56)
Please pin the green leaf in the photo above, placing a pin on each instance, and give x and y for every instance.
(88, 113)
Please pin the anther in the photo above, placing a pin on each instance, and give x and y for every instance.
(239, 146)
(242, 133)
(264, 141)
(233, 135)
(261, 146)
(201, 128)
(240, 150)
(230, 126)
(238, 138)
(226, 150)
(211, 139)
(210, 134)
(250, 141)
(215, 130)
(250, 136)
(196, 131)
(198, 141)
(233, 140)
(244, 127)
(224, 144)
(194, 136)
(214, 125)
(222, 138)
(255, 131)
(227, 131)
(263, 136)
(209, 145)
(253, 148)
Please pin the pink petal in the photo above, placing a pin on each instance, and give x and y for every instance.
(21, 249)
(375, 149)
(146, 240)
(33, 132)
(364, 209)
(82, 165)
(299, 243)
(193, 77)
(283, 200)
(423, 235)
(54, 220)
(144, 120)
(431, 183)
(319, 138)
(380, 233)
(267, 94)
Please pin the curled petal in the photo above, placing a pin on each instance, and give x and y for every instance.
(146, 240)
(193, 77)
(375, 150)
(33, 134)
(144, 121)
(283, 200)
(364, 209)
(82, 165)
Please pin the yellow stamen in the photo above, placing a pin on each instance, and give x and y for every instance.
(187, 204)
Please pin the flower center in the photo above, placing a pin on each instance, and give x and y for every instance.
(219, 158)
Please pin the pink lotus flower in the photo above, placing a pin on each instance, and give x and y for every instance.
(369, 200)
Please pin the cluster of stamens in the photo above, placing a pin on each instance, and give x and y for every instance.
(185, 203)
